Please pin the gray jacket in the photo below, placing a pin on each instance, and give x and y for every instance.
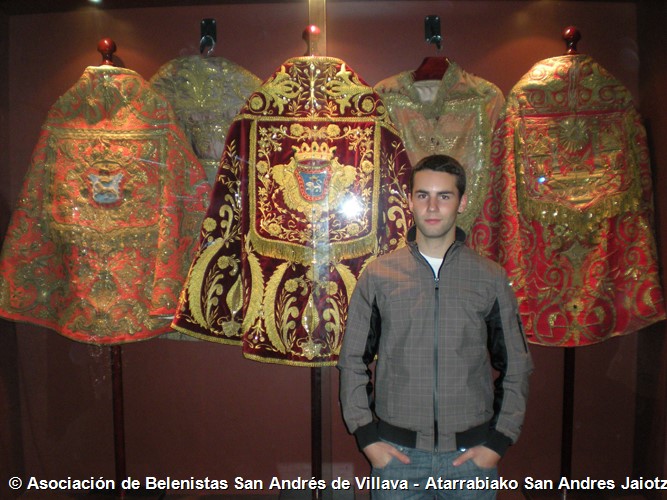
(452, 361)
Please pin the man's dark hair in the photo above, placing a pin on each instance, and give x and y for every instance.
(441, 163)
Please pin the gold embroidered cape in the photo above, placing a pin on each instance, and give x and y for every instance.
(106, 223)
(206, 93)
(311, 187)
(570, 210)
(453, 116)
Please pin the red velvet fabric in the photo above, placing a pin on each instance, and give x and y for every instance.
(311, 187)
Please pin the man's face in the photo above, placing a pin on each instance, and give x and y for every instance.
(435, 203)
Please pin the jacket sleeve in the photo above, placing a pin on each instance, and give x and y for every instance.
(509, 355)
(360, 343)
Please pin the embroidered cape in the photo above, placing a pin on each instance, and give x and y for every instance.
(311, 187)
(99, 244)
(453, 116)
(206, 93)
(570, 211)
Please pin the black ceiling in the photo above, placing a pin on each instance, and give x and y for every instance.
(14, 7)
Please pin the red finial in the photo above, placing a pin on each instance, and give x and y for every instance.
(106, 47)
(311, 35)
(571, 35)
(311, 30)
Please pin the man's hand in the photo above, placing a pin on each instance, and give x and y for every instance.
(379, 454)
(482, 456)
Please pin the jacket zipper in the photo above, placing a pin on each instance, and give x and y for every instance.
(435, 361)
(436, 399)
(436, 346)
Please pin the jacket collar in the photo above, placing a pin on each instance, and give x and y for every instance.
(412, 234)
(412, 238)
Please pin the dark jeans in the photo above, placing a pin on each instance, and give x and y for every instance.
(432, 475)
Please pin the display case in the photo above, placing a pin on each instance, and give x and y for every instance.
(190, 417)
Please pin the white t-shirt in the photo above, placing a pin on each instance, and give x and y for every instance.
(435, 263)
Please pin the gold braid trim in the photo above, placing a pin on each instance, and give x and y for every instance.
(303, 254)
(207, 337)
(288, 362)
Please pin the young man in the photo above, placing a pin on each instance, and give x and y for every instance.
(440, 319)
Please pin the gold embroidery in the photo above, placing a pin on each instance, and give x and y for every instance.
(110, 180)
(458, 122)
(318, 191)
(278, 91)
(206, 93)
(256, 301)
(310, 89)
(195, 289)
(590, 179)
(284, 310)
(310, 200)
(572, 218)
(345, 88)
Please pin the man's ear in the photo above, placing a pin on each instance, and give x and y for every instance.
(463, 203)
(410, 201)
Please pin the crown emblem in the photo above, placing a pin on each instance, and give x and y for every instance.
(313, 156)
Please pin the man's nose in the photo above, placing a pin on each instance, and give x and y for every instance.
(432, 204)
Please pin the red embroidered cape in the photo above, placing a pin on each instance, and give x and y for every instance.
(570, 212)
(99, 244)
(311, 187)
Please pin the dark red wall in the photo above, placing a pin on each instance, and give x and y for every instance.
(200, 409)
(652, 346)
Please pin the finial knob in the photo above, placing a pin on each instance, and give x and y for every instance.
(571, 35)
(311, 36)
(106, 47)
